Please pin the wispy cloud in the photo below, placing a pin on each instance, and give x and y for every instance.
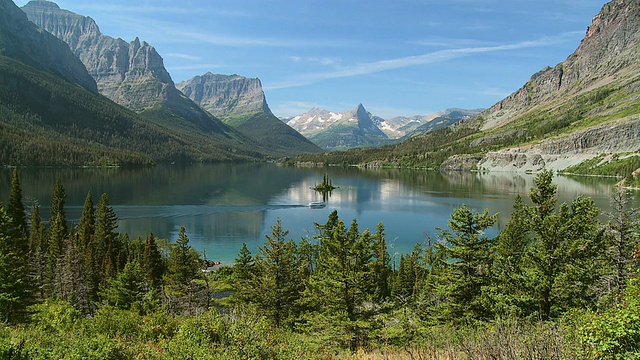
(324, 61)
(184, 56)
(230, 40)
(424, 59)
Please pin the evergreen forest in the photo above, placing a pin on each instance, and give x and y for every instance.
(560, 281)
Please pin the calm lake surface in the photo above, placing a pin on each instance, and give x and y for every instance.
(222, 206)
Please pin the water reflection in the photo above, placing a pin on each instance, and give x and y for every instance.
(222, 206)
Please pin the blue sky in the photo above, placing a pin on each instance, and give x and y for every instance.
(397, 58)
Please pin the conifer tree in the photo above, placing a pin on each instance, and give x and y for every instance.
(509, 278)
(86, 227)
(243, 265)
(15, 290)
(183, 271)
(105, 241)
(56, 234)
(126, 290)
(37, 252)
(461, 282)
(16, 211)
(563, 260)
(381, 268)
(277, 284)
(339, 289)
(152, 263)
(622, 240)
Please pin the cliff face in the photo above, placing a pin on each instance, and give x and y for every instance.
(131, 74)
(226, 96)
(585, 107)
(21, 40)
(608, 52)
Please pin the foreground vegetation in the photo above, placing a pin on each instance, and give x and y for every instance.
(555, 283)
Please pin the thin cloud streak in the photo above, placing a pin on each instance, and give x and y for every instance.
(425, 59)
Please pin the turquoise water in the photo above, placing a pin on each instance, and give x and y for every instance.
(222, 206)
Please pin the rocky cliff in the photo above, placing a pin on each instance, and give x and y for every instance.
(608, 52)
(21, 40)
(584, 107)
(131, 74)
(226, 96)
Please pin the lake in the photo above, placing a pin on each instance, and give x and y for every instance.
(223, 205)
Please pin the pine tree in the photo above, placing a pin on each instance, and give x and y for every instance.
(183, 271)
(71, 282)
(15, 290)
(381, 268)
(56, 234)
(243, 265)
(622, 240)
(126, 290)
(105, 241)
(86, 227)
(339, 290)
(278, 283)
(564, 256)
(16, 211)
(152, 263)
(468, 269)
(509, 280)
(37, 252)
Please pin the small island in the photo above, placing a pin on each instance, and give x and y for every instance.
(326, 186)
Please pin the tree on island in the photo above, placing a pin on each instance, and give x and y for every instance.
(326, 186)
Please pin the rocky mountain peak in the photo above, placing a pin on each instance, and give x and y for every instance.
(131, 74)
(21, 40)
(608, 51)
(226, 96)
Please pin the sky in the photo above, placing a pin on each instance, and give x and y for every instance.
(397, 58)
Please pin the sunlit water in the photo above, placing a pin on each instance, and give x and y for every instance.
(222, 206)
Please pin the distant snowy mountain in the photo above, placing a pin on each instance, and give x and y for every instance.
(340, 130)
(358, 127)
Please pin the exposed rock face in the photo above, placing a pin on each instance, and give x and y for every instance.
(226, 96)
(598, 83)
(21, 40)
(346, 129)
(609, 47)
(131, 74)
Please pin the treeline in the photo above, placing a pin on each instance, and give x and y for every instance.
(45, 120)
(555, 283)
(548, 262)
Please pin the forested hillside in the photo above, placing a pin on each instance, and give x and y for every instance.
(555, 283)
(48, 121)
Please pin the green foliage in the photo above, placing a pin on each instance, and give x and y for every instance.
(461, 280)
(615, 332)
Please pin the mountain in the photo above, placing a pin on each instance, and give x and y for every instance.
(50, 114)
(348, 129)
(226, 96)
(442, 120)
(240, 102)
(131, 74)
(22, 41)
(400, 126)
(580, 115)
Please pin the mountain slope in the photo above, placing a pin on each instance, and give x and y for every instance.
(348, 129)
(47, 118)
(22, 41)
(582, 108)
(131, 74)
(240, 103)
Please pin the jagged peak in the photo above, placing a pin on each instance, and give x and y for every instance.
(44, 4)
